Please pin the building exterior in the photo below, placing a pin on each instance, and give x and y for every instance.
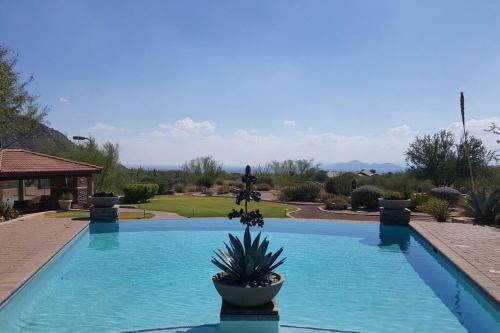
(41, 179)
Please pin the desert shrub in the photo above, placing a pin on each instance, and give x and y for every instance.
(448, 194)
(489, 180)
(208, 192)
(239, 185)
(483, 206)
(7, 212)
(169, 192)
(140, 192)
(193, 188)
(392, 195)
(234, 176)
(438, 208)
(219, 181)
(223, 189)
(366, 196)
(305, 192)
(339, 185)
(179, 188)
(234, 190)
(324, 196)
(263, 187)
(205, 181)
(397, 181)
(417, 200)
(337, 202)
(265, 179)
(163, 188)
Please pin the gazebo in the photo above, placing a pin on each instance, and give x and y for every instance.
(62, 174)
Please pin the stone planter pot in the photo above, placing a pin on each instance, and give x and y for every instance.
(104, 201)
(65, 204)
(394, 204)
(247, 296)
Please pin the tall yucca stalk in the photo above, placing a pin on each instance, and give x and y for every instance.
(467, 150)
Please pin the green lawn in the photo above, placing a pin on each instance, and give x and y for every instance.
(210, 206)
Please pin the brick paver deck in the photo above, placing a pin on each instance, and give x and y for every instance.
(27, 244)
(474, 249)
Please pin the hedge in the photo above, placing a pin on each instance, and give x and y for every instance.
(135, 193)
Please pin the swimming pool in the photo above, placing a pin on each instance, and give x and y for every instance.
(340, 276)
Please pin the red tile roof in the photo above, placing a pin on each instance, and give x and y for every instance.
(20, 163)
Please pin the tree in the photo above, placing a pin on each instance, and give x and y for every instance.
(19, 112)
(113, 176)
(204, 166)
(494, 129)
(441, 160)
(433, 157)
(301, 168)
(479, 156)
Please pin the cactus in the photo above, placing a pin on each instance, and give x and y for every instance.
(339, 185)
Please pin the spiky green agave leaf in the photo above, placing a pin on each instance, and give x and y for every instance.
(247, 262)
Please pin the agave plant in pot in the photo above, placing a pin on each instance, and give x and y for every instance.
(394, 201)
(248, 277)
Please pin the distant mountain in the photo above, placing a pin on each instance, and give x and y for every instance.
(358, 165)
(35, 139)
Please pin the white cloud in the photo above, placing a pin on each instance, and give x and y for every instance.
(474, 125)
(64, 100)
(477, 128)
(289, 123)
(187, 127)
(403, 130)
(106, 128)
(185, 139)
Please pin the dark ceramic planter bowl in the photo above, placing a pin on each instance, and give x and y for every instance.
(104, 201)
(248, 296)
(394, 204)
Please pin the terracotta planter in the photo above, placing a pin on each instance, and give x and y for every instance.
(248, 296)
(104, 201)
(65, 204)
(394, 204)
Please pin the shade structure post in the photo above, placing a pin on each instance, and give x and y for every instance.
(20, 190)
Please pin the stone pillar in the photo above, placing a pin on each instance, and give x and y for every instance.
(90, 189)
(20, 190)
(80, 190)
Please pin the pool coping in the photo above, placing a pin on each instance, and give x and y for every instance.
(489, 289)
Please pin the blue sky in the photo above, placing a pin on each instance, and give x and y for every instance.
(259, 80)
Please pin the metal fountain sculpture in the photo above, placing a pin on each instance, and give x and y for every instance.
(247, 218)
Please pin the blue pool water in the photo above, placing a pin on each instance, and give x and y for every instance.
(338, 276)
